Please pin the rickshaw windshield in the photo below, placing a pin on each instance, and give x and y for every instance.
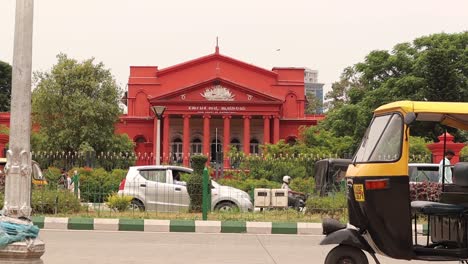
(382, 141)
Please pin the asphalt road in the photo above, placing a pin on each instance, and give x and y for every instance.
(89, 247)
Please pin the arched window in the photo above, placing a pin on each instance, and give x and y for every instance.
(196, 146)
(176, 147)
(236, 143)
(254, 146)
(291, 140)
(140, 139)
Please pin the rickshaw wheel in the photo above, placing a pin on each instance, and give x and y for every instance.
(343, 254)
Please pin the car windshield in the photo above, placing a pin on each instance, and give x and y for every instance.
(382, 141)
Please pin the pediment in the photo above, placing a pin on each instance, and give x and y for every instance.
(217, 58)
(217, 90)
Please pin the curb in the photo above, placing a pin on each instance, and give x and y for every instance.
(190, 226)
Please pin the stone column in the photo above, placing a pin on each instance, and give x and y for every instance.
(276, 129)
(247, 134)
(18, 168)
(166, 150)
(206, 136)
(266, 129)
(186, 141)
(227, 137)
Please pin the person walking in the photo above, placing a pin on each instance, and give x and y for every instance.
(449, 154)
(75, 181)
(63, 182)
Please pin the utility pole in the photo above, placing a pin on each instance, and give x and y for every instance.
(18, 168)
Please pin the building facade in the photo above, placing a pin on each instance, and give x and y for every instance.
(312, 86)
(211, 104)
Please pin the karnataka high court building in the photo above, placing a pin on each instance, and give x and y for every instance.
(211, 104)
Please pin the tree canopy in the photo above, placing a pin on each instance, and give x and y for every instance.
(431, 68)
(5, 86)
(76, 105)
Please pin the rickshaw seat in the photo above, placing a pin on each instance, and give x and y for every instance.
(434, 208)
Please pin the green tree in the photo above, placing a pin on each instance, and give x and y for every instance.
(5, 86)
(419, 152)
(464, 154)
(76, 105)
(431, 68)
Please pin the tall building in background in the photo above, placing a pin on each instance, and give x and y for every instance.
(312, 85)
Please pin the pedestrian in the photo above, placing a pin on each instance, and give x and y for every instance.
(63, 183)
(449, 154)
(76, 183)
(69, 183)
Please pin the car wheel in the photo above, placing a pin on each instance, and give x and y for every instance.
(346, 255)
(137, 205)
(226, 206)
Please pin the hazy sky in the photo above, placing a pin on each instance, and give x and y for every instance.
(326, 35)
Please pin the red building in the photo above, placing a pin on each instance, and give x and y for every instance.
(212, 103)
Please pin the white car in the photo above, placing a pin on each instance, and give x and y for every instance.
(158, 188)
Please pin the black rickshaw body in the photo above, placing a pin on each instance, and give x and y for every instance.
(329, 174)
(377, 186)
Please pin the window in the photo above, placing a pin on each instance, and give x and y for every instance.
(382, 141)
(291, 141)
(254, 146)
(236, 143)
(154, 175)
(196, 146)
(140, 139)
(176, 148)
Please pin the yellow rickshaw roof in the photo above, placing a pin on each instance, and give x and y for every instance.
(453, 114)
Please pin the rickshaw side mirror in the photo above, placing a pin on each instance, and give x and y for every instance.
(36, 171)
(410, 118)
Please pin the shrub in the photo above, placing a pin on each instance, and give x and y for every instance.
(198, 163)
(327, 204)
(304, 185)
(464, 154)
(54, 201)
(274, 168)
(118, 202)
(425, 191)
(51, 202)
(52, 175)
(195, 183)
(96, 185)
(249, 185)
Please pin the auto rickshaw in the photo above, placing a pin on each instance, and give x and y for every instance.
(380, 211)
(329, 175)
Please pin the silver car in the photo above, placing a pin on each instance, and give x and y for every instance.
(159, 188)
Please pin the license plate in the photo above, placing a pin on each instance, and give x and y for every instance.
(359, 192)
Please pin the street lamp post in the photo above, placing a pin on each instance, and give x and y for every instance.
(18, 168)
(158, 112)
